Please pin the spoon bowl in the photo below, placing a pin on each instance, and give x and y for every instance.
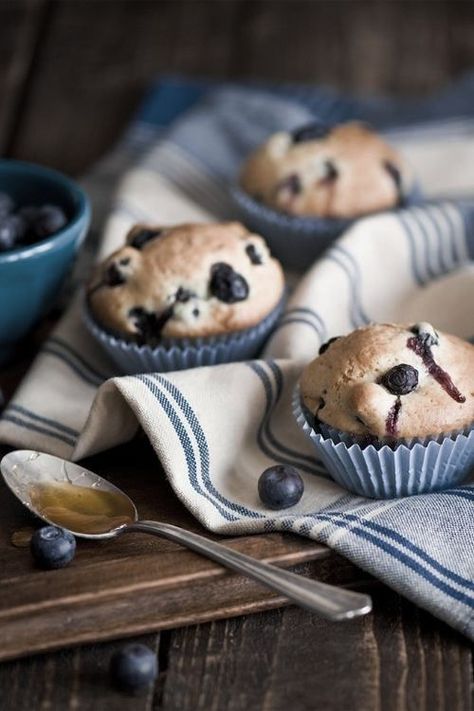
(67, 495)
(28, 473)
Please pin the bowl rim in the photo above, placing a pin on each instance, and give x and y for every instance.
(57, 240)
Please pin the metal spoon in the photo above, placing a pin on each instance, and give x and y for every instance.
(26, 470)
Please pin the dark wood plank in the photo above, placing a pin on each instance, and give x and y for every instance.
(95, 63)
(137, 583)
(96, 59)
(73, 679)
(20, 26)
(397, 659)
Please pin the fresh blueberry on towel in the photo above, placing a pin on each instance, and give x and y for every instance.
(134, 667)
(6, 204)
(280, 487)
(52, 547)
(401, 379)
(227, 285)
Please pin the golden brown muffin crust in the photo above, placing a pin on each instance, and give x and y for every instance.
(190, 280)
(353, 386)
(348, 172)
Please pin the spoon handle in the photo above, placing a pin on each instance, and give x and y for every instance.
(329, 601)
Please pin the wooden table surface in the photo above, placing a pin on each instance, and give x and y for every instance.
(58, 60)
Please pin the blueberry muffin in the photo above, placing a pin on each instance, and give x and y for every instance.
(394, 381)
(316, 171)
(185, 281)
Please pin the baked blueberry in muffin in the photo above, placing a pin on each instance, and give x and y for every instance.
(389, 380)
(318, 171)
(186, 281)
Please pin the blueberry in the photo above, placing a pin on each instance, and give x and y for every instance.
(401, 379)
(292, 183)
(280, 487)
(149, 324)
(183, 295)
(6, 204)
(253, 255)
(134, 667)
(113, 276)
(426, 333)
(143, 236)
(331, 173)
(49, 219)
(310, 132)
(52, 547)
(12, 231)
(227, 285)
(323, 348)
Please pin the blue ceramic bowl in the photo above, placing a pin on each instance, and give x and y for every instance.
(31, 276)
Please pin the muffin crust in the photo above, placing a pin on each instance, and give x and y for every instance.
(389, 380)
(186, 281)
(341, 172)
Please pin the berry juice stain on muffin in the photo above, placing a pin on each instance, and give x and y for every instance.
(421, 344)
(388, 380)
(186, 281)
(339, 172)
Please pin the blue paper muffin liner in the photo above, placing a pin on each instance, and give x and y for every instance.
(386, 470)
(181, 354)
(296, 241)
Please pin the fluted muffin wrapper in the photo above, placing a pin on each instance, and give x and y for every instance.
(386, 470)
(296, 241)
(183, 353)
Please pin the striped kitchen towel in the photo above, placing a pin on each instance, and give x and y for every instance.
(215, 429)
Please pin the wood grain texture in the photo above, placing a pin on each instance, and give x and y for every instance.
(94, 60)
(397, 659)
(137, 583)
(20, 25)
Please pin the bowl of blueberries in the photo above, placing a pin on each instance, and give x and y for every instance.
(44, 217)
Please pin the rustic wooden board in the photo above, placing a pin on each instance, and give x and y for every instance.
(137, 583)
(80, 52)
(399, 658)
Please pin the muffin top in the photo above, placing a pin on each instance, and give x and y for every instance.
(338, 172)
(190, 280)
(389, 380)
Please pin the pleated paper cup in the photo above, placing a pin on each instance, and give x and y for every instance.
(296, 241)
(387, 470)
(181, 354)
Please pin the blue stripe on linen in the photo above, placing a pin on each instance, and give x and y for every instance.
(418, 276)
(408, 545)
(203, 446)
(462, 494)
(446, 257)
(80, 358)
(92, 381)
(45, 420)
(264, 432)
(306, 315)
(279, 381)
(19, 422)
(404, 558)
(186, 444)
(288, 321)
(350, 267)
(415, 219)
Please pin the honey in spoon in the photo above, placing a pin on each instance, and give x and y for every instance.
(81, 509)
